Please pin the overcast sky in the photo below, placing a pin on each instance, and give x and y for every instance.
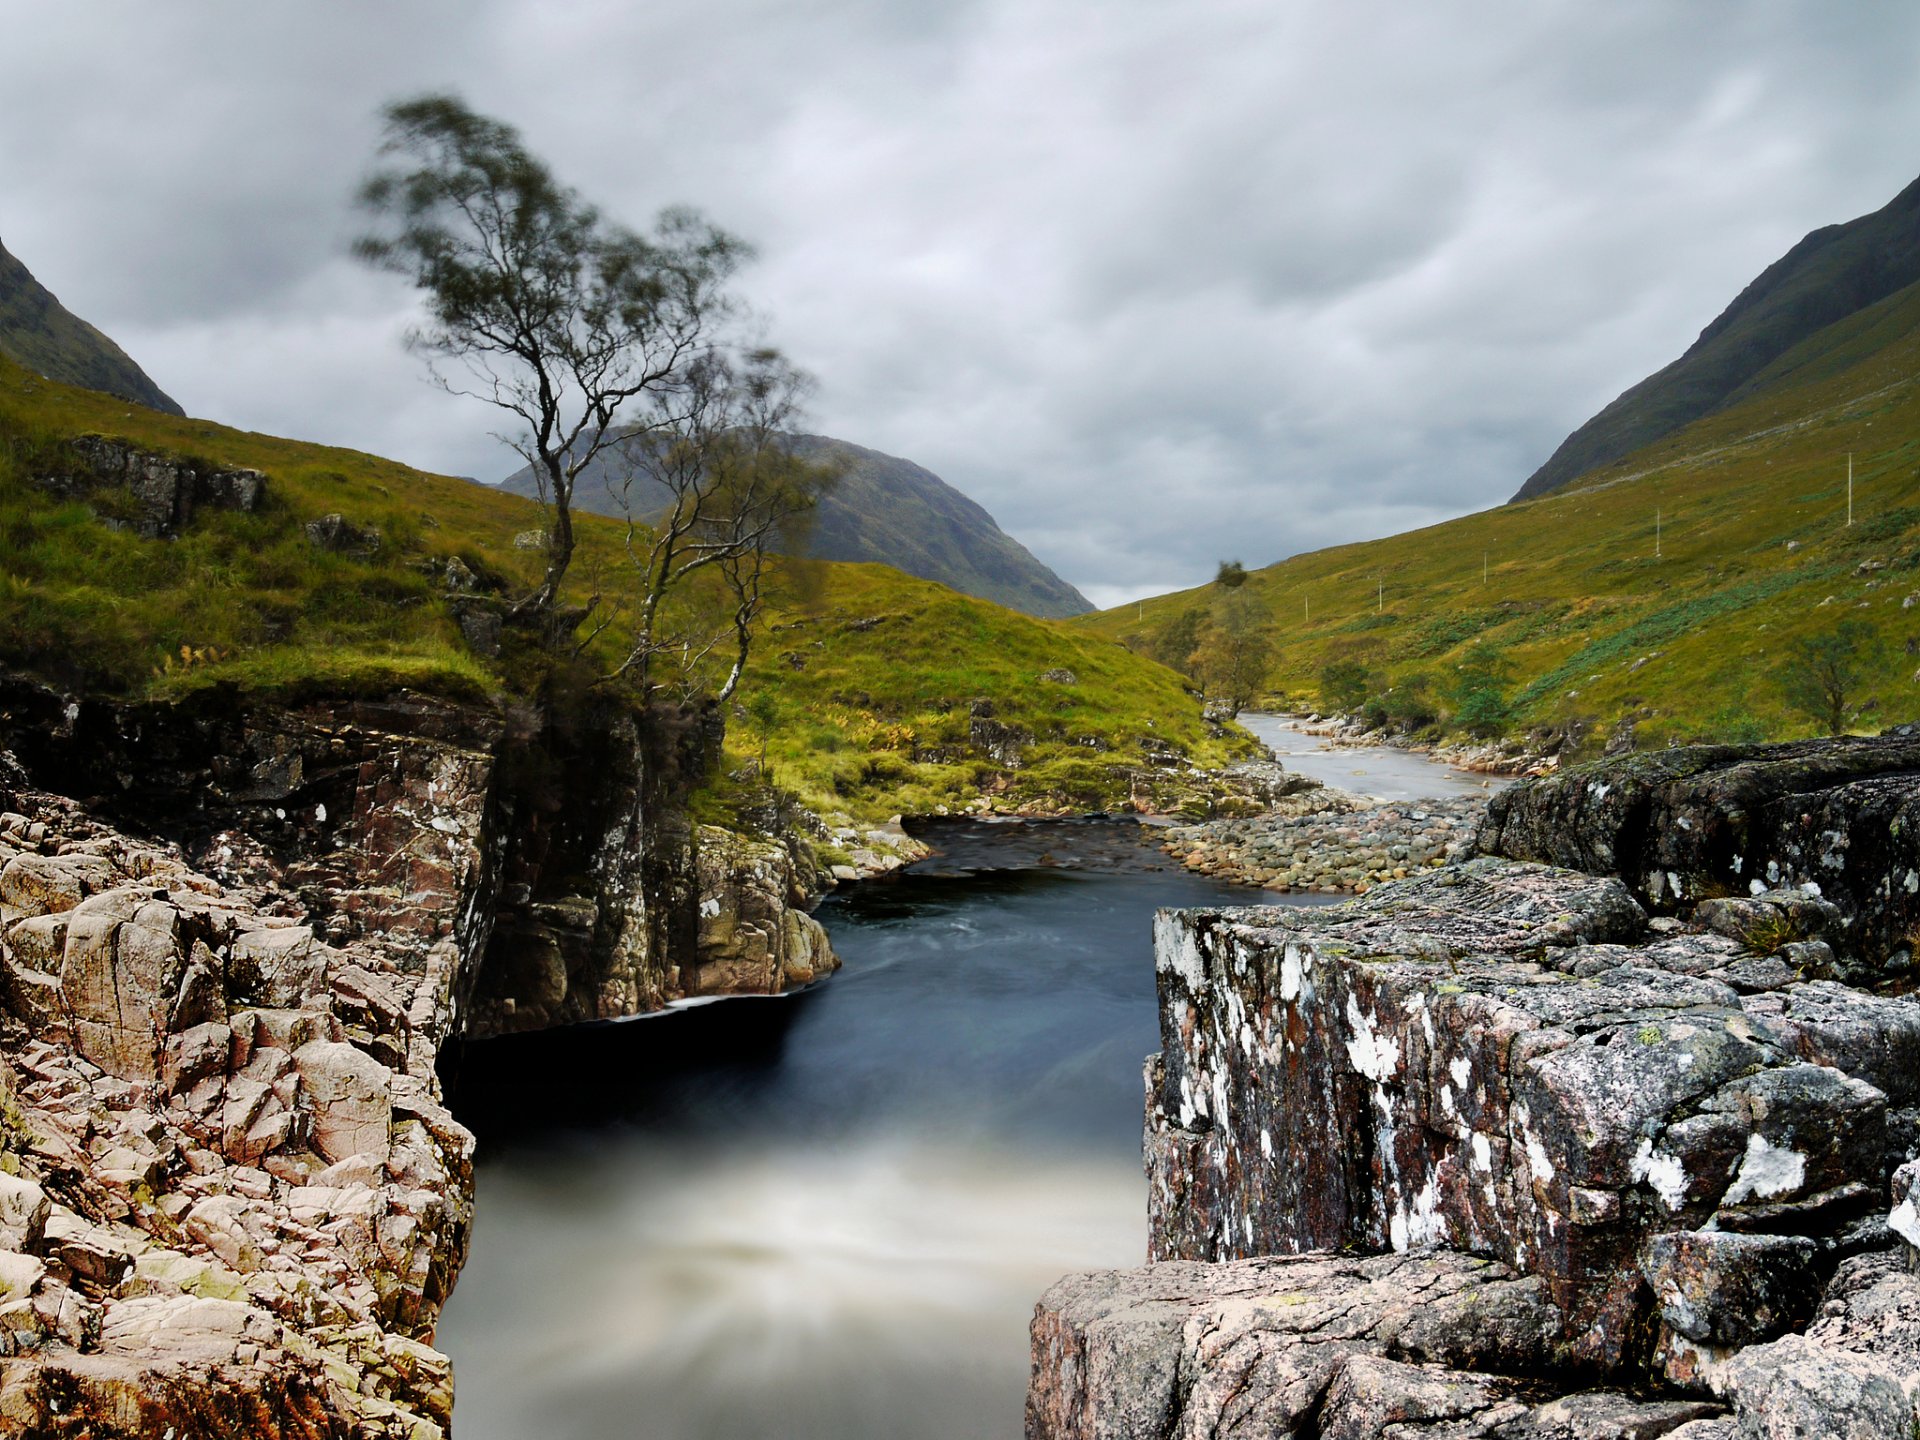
(1158, 283)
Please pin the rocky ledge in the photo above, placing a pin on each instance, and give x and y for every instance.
(1497, 1151)
(232, 1200)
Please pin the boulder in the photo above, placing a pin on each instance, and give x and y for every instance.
(1726, 1290)
(350, 1093)
(342, 536)
(23, 1213)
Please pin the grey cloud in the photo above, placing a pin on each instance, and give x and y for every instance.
(1156, 284)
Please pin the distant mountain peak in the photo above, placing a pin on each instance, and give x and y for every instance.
(1833, 273)
(37, 331)
(901, 514)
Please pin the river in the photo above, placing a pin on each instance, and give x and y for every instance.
(827, 1215)
(1380, 771)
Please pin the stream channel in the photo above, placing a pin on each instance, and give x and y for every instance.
(829, 1215)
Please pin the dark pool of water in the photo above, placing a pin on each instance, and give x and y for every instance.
(828, 1215)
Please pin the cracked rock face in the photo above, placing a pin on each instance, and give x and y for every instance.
(231, 1201)
(1411, 1346)
(1695, 1163)
(1837, 817)
(1384, 1076)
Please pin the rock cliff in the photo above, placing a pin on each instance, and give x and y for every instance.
(1520, 1149)
(232, 1200)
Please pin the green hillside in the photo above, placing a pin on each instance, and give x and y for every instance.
(39, 332)
(1754, 554)
(870, 709)
(1834, 273)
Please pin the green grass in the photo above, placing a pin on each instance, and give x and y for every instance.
(875, 722)
(1597, 626)
(876, 718)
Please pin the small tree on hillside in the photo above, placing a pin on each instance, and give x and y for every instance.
(1344, 684)
(1231, 575)
(729, 489)
(1173, 643)
(1822, 674)
(1231, 659)
(576, 327)
(1479, 692)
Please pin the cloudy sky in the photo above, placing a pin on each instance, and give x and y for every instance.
(1158, 282)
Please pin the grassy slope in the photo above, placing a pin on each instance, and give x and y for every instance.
(890, 665)
(88, 606)
(1596, 626)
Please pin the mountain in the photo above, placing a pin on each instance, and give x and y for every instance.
(1667, 590)
(1832, 274)
(39, 332)
(901, 514)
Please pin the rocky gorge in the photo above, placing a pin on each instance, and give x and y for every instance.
(235, 940)
(1607, 1132)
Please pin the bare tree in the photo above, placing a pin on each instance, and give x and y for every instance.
(709, 488)
(542, 307)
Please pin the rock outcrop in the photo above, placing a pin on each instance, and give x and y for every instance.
(1685, 1144)
(1837, 819)
(231, 1198)
(154, 495)
(1328, 842)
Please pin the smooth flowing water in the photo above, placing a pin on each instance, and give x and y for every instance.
(1376, 770)
(837, 1223)
(828, 1215)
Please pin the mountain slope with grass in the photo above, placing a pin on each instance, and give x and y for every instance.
(873, 691)
(1671, 590)
(887, 509)
(1833, 274)
(37, 331)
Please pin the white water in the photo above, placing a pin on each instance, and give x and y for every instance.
(696, 1289)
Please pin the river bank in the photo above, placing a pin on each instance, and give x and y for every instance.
(1372, 814)
(1332, 851)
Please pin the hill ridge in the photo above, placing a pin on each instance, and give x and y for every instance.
(1828, 276)
(37, 331)
(892, 510)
